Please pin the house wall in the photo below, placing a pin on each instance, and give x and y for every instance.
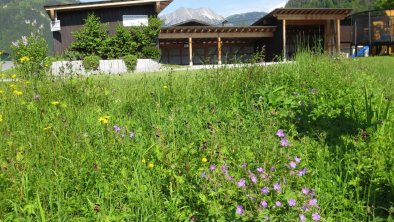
(72, 21)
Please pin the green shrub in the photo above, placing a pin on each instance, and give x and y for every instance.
(151, 52)
(92, 39)
(121, 43)
(72, 55)
(130, 61)
(91, 63)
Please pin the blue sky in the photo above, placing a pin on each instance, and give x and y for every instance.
(225, 7)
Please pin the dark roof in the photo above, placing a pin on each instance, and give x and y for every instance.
(109, 3)
(195, 22)
(340, 12)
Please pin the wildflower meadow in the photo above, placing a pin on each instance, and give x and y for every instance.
(310, 140)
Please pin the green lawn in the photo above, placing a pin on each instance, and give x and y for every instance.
(202, 145)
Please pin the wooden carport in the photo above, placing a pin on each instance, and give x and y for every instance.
(211, 32)
(330, 18)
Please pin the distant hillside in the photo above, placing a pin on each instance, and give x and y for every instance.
(184, 14)
(245, 18)
(356, 5)
(14, 13)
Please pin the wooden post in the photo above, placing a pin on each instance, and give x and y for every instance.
(219, 50)
(338, 36)
(190, 51)
(284, 40)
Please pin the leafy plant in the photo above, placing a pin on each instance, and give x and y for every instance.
(91, 63)
(151, 52)
(121, 43)
(130, 61)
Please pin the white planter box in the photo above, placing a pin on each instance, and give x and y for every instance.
(69, 68)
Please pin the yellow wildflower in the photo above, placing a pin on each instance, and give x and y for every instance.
(165, 87)
(13, 86)
(143, 161)
(204, 160)
(104, 119)
(48, 128)
(13, 76)
(1, 91)
(24, 59)
(55, 103)
(151, 165)
(18, 93)
(1, 118)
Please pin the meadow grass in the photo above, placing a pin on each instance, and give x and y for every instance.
(309, 139)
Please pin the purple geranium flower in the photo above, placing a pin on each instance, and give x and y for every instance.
(291, 202)
(225, 170)
(284, 142)
(260, 170)
(278, 204)
(305, 208)
(117, 128)
(277, 187)
(132, 135)
(293, 164)
(212, 167)
(243, 165)
(253, 178)
(305, 191)
(297, 159)
(203, 175)
(316, 217)
(313, 202)
(280, 133)
(230, 178)
(302, 218)
(302, 172)
(241, 183)
(239, 210)
(273, 169)
(265, 190)
(264, 204)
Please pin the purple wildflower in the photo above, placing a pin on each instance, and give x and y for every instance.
(302, 218)
(239, 210)
(230, 178)
(284, 142)
(225, 170)
(302, 172)
(212, 167)
(273, 169)
(243, 165)
(316, 217)
(277, 187)
(291, 202)
(132, 135)
(305, 191)
(203, 175)
(305, 208)
(297, 159)
(265, 190)
(313, 202)
(278, 204)
(241, 183)
(117, 128)
(253, 178)
(280, 133)
(293, 164)
(264, 204)
(260, 170)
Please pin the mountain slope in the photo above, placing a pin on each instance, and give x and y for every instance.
(184, 14)
(14, 13)
(245, 18)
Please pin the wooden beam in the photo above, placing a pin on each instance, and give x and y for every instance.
(338, 36)
(52, 14)
(215, 35)
(311, 17)
(284, 40)
(190, 51)
(219, 49)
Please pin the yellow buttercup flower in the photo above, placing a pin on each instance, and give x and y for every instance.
(204, 160)
(24, 59)
(1, 118)
(48, 128)
(104, 119)
(1, 91)
(17, 92)
(55, 103)
(165, 87)
(143, 161)
(13, 76)
(151, 165)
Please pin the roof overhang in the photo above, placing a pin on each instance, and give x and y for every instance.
(214, 32)
(311, 13)
(53, 9)
(306, 14)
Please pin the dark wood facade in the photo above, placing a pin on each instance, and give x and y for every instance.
(72, 21)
